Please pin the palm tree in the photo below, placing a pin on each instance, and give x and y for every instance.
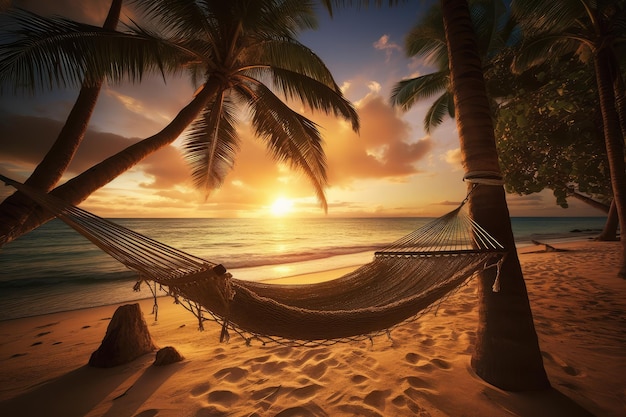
(593, 30)
(427, 39)
(507, 351)
(496, 34)
(15, 208)
(245, 56)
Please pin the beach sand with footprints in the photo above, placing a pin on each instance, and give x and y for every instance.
(578, 304)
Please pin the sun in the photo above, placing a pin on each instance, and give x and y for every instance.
(281, 206)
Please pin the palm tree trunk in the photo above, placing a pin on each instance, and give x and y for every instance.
(590, 201)
(507, 351)
(613, 139)
(82, 186)
(609, 232)
(16, 208)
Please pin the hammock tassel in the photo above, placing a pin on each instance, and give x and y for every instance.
(496, 282)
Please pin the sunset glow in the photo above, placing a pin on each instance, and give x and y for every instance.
(391, 168)
(281, 207)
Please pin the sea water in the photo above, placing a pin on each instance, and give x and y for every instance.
(55, 269)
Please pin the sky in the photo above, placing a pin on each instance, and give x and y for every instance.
(390, 168)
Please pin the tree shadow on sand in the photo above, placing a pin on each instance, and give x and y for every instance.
(80, 391)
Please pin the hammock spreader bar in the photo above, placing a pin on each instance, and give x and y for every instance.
(403, 281)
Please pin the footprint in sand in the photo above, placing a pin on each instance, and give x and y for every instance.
(201, 389)
(359, 379)
(377, 399)
(42, 334)
(315, 371)
(417, 382)
(233, 374)
(402, 402)
(37, 343)
(428, 342)
(399, 401)
(412, 358)
(441, 363)
(223, 397)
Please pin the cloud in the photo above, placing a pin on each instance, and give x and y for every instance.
(26, 139)
(383, 149)
(167, 168)
(454, 158)
(389, 47)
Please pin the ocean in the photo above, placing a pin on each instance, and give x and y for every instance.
(55, 269)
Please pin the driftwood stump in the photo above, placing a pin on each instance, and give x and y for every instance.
(126, 339)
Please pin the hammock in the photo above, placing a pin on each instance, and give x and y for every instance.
(402, 282)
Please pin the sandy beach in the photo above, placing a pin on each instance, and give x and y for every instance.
(579, 310)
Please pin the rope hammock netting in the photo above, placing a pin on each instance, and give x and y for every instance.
(402, 282)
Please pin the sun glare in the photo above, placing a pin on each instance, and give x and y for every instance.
(281, 207)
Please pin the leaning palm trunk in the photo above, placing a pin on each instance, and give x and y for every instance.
(16, 208)
(507, 351)
(590, 201)
(609, 232)
(613, 139)
(81, 186)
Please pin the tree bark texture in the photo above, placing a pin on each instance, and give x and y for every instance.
(603, 62)
(507, 351)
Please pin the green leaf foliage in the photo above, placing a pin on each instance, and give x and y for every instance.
(550, 136)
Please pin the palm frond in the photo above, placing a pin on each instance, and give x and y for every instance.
(537, 16)
(543, 49)
(329, 4)
(43, 53)
(291, 55)
(211, 144)
(436, 112)
(180, 18)
(408, 92)
(489, 18)
(427, 39)
(274, 19)
(311, 92)
(289, 136)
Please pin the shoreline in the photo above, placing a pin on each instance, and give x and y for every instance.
(578, 308)
(289, 278)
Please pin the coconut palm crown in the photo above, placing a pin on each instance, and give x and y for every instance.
(427, 39)
(242, 54)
